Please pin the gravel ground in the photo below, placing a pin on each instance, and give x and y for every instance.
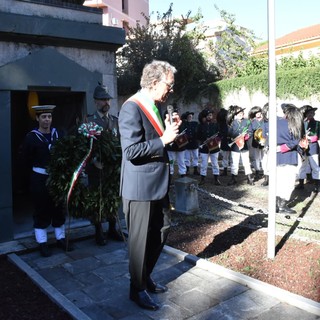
(235, 234)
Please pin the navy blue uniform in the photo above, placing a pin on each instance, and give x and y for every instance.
(36, 152)
(285, 137)
(205, 131)
(236, 128)
(191, 131)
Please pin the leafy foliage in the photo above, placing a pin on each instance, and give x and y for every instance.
(259, 64)
(301, 83)
(253, 66)
(167, 39)
(99, 199)
(233, 46)
(293, 63)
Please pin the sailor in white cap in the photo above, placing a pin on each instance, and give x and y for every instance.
(36, 151)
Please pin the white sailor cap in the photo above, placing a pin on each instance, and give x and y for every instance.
(44, 109)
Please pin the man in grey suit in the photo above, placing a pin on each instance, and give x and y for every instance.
(108, 122)
(144, 181)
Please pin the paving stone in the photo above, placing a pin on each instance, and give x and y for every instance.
(54, 273)
(79, 298)
(100, 291)
(284, 312)
(96, 313)
(7, 247)
(82, 265)
(117, 256)
(195, 301)
(96, 281)
(87, 279)
(67, 285)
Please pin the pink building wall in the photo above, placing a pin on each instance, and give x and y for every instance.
(120, 13)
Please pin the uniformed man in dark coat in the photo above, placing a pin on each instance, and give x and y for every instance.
(108, 122)
(208, 135)
(311, 162)
(192, 148)
(239, 132)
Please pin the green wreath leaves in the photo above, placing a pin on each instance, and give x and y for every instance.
(98, 199)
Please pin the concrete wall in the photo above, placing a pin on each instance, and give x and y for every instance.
(65, 12)
(55, 48)
(6, 218)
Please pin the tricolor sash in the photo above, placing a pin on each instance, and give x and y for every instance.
(150, 111)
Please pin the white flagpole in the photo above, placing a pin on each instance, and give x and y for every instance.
(272, 161)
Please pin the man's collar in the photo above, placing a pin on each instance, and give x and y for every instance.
(106, 115)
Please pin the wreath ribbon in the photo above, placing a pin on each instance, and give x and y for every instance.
(90, 130)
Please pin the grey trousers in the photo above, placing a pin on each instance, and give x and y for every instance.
(148, 225)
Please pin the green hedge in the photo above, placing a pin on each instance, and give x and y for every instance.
(301, 83)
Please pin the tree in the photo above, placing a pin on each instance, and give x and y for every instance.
(232, 49)
(172, 40)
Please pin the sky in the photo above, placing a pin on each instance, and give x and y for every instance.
(290, 15)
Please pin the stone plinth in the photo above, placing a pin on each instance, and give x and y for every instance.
(186, 196)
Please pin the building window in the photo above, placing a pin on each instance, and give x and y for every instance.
(125, 6)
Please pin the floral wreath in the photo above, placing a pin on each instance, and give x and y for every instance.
(72, 166)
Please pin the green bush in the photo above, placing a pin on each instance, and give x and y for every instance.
(301, 83)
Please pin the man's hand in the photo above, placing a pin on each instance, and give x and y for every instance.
(172, 129)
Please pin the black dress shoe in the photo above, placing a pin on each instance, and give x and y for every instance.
(142, 299)
(62, 244)
(155, 287)
(99, 235)
(114, 234)
(100, 240)
(44, 250)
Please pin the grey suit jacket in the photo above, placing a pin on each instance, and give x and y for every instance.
(145, 164)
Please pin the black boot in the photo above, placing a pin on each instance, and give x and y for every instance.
(202, 181)
(233, 180)
(113, 233)
(256, 175)
(282, 207)
(44, 249)
(64, 245)
(266, 181)
(216, 180)
(309, 178)
(99, 236)
(195, 171)
(187, 169)
(300, 186)
(261, 174)
(250, 180)
(225, 172)
(316, 186)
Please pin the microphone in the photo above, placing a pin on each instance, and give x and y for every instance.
(170, 111)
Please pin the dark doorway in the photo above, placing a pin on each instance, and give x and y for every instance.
(70, 107)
